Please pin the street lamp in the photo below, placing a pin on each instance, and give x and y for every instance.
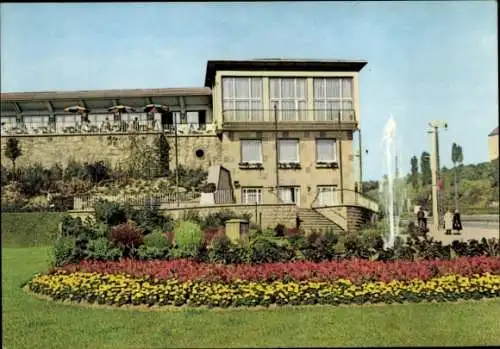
(435, 125)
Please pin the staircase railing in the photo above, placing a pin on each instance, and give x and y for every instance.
(343, 197)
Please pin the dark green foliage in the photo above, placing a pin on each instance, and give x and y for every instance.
(279, 230)
(34, 180)
(149, 219)
(74, 227)
(151, 253)
(325, 245)
(192, 216)
(62, 250)
(189, 178)
(102, 249)
(13, 151)
(156, 246)
(5, 174)
(425, 168)
(110, 213)
(97, 171)
(218, 219)
(413, 178)
(225, 252)
(268, 250)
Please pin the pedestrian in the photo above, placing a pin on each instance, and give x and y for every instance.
(426, 214)
(420, 219)
(457, 223)
(448, 222)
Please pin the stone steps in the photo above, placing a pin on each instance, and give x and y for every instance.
(314, 221)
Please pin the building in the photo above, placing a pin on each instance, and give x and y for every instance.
(493, 145)
(282, 128)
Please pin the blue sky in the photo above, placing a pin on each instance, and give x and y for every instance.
(426, 60)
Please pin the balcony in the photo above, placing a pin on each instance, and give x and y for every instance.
(289, 119)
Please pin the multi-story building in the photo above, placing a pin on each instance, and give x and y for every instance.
(282, 128)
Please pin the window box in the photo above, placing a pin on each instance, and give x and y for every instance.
(289, 165)
(250, 166)
(325, 164)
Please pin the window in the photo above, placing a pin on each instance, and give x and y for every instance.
(242, 98)
(326, 150)
(8, 122)
(34, 122)
(327, 195)
(251, 196)
(289, 195)
(251, 151)
(290, 97)
(65, 121)
(288, 151)
(333, 97)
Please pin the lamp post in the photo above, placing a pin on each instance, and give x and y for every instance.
(435, 125)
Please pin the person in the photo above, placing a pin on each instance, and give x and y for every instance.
(457, 223)
(426, 214)
(420, 218)
(448, 222)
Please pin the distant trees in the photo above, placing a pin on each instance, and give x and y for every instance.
(13, 151)
(414, 172)
(457, 156)
(425, 168)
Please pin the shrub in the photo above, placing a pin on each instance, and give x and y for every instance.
(218, 219)
(149, 219)
(325, 246)
(157, 239)
(188, 239)
(221, 250)
(102, 249)
(279, 230)
(110, 213)
(74, 169)
(192, 216)
(209, 234)
(97, 171)
(62, 250)
(127, 237)
(189, 178)
(74, 227)
(267, 250)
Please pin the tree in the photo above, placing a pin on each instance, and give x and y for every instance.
(13, 151)
(456, 157)
(164, 154)
(425, 168)
(414, 172)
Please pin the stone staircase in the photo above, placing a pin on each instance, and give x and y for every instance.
(314, 221)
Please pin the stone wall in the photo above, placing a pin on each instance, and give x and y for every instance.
(266, 215)
(115, 149)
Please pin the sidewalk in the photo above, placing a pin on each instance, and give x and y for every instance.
(467, 233)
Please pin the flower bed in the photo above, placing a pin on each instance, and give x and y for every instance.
(357, 271)
(121, 289)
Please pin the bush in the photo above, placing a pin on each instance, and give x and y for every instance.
(97, 171)
(62, 250)
(102, 249)
(150, 253)
(325, 246)
(149, 219)
(209, 234)
(188, 239)
(127, 237)
(268, 250)
(110, 213)
(279, 230)
(189, 178)
(74, 169)
(157, 239)
(192, 216)
(221, 250)
(218, 219)
(74, 227)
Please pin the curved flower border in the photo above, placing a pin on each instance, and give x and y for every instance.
(123, 289)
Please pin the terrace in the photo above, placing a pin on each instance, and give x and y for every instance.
(43, 113)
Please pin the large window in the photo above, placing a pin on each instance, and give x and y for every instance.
(288, 151)
(242, 98)
(66, 123)
(251, 196)
(251, 151)
(289, 95)
(333, 98)
(326, 150)
(290, 195)
(327, 195)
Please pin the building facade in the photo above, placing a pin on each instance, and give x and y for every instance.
(283, 128)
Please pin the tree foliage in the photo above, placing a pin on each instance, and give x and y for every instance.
(414, 172)
(13, 151)
(425, 168)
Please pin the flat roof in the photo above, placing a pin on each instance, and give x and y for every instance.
(98, 94)
(281, 64)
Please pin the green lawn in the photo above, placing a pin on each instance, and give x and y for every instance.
(33, 323)
(29, 229)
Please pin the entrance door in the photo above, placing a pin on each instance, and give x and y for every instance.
(290, 195)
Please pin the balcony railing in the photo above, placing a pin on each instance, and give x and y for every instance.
(344, 197)
(289, 115)
(28, 127)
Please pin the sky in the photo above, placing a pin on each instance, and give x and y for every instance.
(426, 60)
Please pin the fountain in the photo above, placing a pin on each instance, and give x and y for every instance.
(392, 187)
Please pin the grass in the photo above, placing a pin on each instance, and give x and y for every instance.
(32, 323)
(29, 229)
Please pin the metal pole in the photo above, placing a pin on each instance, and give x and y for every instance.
(360, 189)
(176, 164)
(434, 166)
(277, 152)
(341, 165)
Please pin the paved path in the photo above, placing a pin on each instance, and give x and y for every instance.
(469, 232)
